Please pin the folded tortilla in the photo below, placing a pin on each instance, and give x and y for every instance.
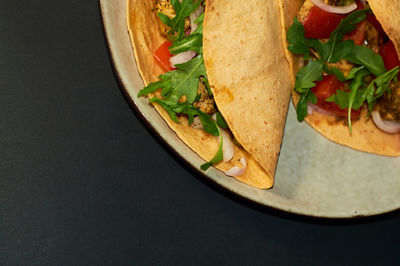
(249, 72)
(366, 136)
(247, 69)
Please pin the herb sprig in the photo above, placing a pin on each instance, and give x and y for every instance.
(177, 24)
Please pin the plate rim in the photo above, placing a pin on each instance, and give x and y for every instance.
(205, 177)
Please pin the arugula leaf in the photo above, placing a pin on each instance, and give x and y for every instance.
(379, 86)
(357, 82)
(353, 72)
(363, 55)
(177, 23)
(186, 80)
(296, 39)
(174, 109)
(335, 71)
(332, 51)
(302, 105)
(219, 156)
(152, 87)
(199, 20)
(221, 121)
(341, 98)
(339, 51)
(176, 83)
(321, 48)
(307, 75)
(337, 48)
(207, 84)
(193, 42)
(351, 99)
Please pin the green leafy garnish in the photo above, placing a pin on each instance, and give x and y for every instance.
(362, 55)
(177, 23)
(335, 49)
(193, 42)
(176, 83)
(355, 85)
(221, 121)
(379, 86)
(339, 49)
(208, 123)
(305, 80)
(297, 42)
(307, 76)
(335, 71)
(219, 156)
(332, 51)
(302, 105)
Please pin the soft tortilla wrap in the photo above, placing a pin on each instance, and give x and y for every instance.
(252, 96)
(365, 135)
(248, 71)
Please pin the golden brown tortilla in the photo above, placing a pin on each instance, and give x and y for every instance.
(146, 38)
(365, 136)
(248, 72)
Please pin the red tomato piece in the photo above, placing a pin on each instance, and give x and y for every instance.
(389, 55)
(162, 55)
(324, 89)
(319, 24)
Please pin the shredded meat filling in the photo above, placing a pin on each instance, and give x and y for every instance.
(206, 102)
(388, 105)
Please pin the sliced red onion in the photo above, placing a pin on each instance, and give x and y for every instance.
(310, 109)
(237, 171)
(313, 107)
(195, 14)
(387, 126)
(227, 146)
(335, 9)
(181, 58)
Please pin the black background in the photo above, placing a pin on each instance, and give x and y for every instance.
(84, 182)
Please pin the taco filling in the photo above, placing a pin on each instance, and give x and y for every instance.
(351, 67)
(183, 90)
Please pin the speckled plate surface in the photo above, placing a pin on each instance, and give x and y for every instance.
(314, 176)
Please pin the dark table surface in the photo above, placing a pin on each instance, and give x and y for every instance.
(84, 182)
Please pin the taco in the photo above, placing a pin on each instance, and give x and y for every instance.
(346, 86)
(232, 92)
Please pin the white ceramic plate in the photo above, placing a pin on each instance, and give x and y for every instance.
(314, 176)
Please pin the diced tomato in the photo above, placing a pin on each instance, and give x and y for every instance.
(389, 56)
(162, 55)
(324, 89)
(319, 24)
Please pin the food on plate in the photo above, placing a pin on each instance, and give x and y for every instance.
(346, 56)
(225, 99)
